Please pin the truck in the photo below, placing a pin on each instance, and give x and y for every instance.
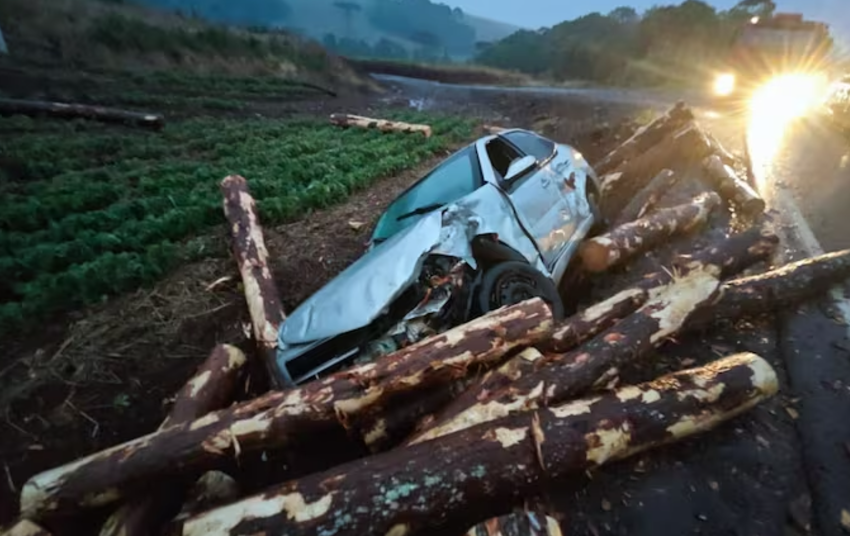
(783, 50)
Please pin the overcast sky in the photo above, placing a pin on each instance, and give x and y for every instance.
(537, 13)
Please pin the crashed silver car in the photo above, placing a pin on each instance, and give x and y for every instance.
(496, 223)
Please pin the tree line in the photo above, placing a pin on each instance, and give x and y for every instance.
(663, 44)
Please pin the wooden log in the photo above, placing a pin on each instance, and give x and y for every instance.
(777, 289)
(717, 148)
(558, 377)
(647, 198)
(285, 419)
(347, 120)
(646, 137)
(482, 471)
(725, 258)
(518, 524)
(213, 489)
(211, 388)
(64, 110)
(681, 149)
(602, 252)
(732, 188)
(493, 130)
(252, 258)
(24, 527)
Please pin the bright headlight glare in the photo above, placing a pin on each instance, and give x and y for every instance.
(724, 84)
(790, 95)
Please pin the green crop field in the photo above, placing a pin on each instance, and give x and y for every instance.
(88, 211)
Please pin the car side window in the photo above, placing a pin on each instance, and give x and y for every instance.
(531, 144)
(501, 155)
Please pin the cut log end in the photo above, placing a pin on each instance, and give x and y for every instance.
(597, 255)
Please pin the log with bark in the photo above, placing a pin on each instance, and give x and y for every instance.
(777, 289)
(728, 257)
(252, 258)
(384, 125)
(721, 151)
(678, 151)
(647, 198)
(646, 137)
(518, 524)
(621, 243)
(213, 387)
(493, 130)
(288, 418)
(482, 471)
(24, 527)
(732, 188)
(532, 380)
(80, 111)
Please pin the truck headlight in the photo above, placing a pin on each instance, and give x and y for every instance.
(724, 84)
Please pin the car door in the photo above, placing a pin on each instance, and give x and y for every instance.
(539, 204)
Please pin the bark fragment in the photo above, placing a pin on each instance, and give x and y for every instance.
(602, 252)
(348, 120)
(288, 418)
(480, 472)
(518, 524)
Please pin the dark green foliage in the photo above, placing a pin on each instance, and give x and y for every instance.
(92, 211)
(269, 13)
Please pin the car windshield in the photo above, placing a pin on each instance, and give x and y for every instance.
(457, 177)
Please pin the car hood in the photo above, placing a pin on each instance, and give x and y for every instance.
(365, 290)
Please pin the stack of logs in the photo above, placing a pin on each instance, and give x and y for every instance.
(462, 426)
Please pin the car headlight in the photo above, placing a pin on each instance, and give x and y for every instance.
(724, 84)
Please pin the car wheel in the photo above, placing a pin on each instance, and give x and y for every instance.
(512, 282)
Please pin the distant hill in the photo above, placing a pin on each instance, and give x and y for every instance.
(405, 29)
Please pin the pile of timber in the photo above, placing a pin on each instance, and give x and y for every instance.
(458, 429)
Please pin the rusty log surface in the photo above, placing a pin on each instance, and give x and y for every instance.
(646, 137)
(481, 472)
(621, 243)
(679, 151)
(24, 527)
(726, 258)
(646, 199)
(65, 110)
(732, 188)
(281, 419)
(212, 387)
(518, 524)
(384, 125)
(252, 258)
(777, 289)
(541, 380)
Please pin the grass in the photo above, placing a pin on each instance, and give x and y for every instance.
(89, 211)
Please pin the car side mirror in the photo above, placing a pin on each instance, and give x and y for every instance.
(520, 167)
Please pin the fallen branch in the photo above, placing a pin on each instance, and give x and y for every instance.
(602, 252)
(732, 188)
(84, 111)
(679, 150)
(647, 198)
(517, 524)
(558, 377)
(252, 257)
(347, 120)
(284, 419)
(481, 471)
(646, 137)
(211, 388)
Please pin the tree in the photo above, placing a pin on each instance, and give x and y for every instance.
(758, 8)
(625, 15)
(349, 9)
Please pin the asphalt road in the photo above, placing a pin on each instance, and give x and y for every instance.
(765, 475)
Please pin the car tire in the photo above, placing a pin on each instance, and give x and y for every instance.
(599, 223)
(511, 282)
